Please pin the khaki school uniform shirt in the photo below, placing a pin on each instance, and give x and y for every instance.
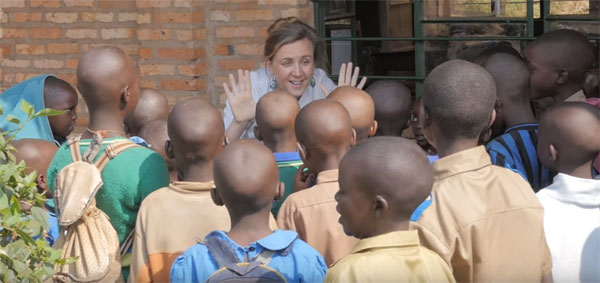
(170, 221)
(484, 221)
(391, 257)
(313, 215)
(577, 97)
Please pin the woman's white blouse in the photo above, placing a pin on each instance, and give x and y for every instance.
(261, 80)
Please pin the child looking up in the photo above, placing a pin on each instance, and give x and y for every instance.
(275, 116)
(325, 134)
(376, 210)
(173, 218)
(558, 62)
(361, 108)
(392, 107)
(568, 143)
(516, 148)
(248, 196)
(474, 201)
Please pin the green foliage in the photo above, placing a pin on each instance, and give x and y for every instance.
(25, 255)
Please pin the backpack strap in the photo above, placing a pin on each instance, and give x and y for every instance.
(73, 143)
(111, 151)
(221, 252)
(127, 244)
(92, 151)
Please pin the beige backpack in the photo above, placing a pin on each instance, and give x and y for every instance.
(86, 230)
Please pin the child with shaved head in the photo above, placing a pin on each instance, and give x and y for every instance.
(152, 105)
(248, 196)
(483, 220)
(173, 218)
(324, 132)
(568, 143)
(155, 135)
(37, 155)
(515, 148)
(375, 209)
(276, 113)
(415, 126)
(392, 107)
(109, 83)
(361, 108)
(558, 61)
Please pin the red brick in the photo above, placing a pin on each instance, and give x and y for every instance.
(13, 33)
(152, 3)
(156, 69)
(223, 50)
(118, 4)
(62, 48)
(200, 34)
(115, 33)
(12, 4)
(145, 53)
(249, 49)
(254, 15)
(144, 18)
(193, 70)
(234, 32)
(80, 33)
(179, 18)
(184, 35)
(30, 49)
(26, 17)
(97, 17)
(130, 49)
(182, 53)
(71, 63)
(4, 51)
(15, 63)
(194, 84)
(61, 18)
(234, 64)
(127, 17)
(263, 32)
(46, 33)
(44, 3)
(48, 64)
(3, 17)
(154, 34)
(79, 3)
(149, 84)
(183, 3)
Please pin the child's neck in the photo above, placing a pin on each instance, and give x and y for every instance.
(565, 92)
(246, 229)
(580, 171)
(519, 114)
(200, 172)
(387, 226)
(329, 162)
(445, 148)
(111, 123)
(288, 145)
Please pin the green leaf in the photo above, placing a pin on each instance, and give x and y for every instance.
(3, 201)
(40, 216)
(12, 119)
(49, 112)
(27, 107)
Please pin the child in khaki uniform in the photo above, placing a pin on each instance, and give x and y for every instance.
(483, 220)
(325, 134)
(376, 210)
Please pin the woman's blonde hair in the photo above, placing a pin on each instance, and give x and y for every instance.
(288, 30)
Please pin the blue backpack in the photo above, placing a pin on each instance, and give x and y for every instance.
(232, 270)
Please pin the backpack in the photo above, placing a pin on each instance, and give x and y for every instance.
(232, 270)
(86, 230)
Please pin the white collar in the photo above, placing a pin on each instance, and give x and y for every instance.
(579, 191)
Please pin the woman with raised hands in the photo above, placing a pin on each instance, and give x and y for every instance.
(293, 51)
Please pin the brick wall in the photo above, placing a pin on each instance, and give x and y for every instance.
(183, 47)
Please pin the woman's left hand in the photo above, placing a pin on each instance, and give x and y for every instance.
(348, 78)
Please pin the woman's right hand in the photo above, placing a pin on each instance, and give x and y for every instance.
(240, 98)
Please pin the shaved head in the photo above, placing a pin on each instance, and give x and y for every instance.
(511, 77)
(276, 114)
(196, 131)
(107, 79)
(392, 106)
(360, 106)
(459, 97)
(245, 191)
(152, 105)
(37, 155)
(571, 128)
(155, 133)
(324, 128)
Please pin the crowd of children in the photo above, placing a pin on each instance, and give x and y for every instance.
(331, 191)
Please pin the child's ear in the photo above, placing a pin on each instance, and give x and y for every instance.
(42, 183)
(492, 119)
(373, 128)
(563, 77)
(301, 151)
(215, 197)
(380, 206)
(280, 191)
(258, 134)
(553, 153)
(353, 140)
(125, 95)
(169, 149)
(225, 141)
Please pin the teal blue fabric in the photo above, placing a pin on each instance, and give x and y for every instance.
(31, 90)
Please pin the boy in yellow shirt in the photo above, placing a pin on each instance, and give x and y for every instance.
(375, 208)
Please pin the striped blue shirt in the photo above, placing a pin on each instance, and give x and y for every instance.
(516, 150)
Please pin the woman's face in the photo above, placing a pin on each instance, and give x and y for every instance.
(293, 66)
